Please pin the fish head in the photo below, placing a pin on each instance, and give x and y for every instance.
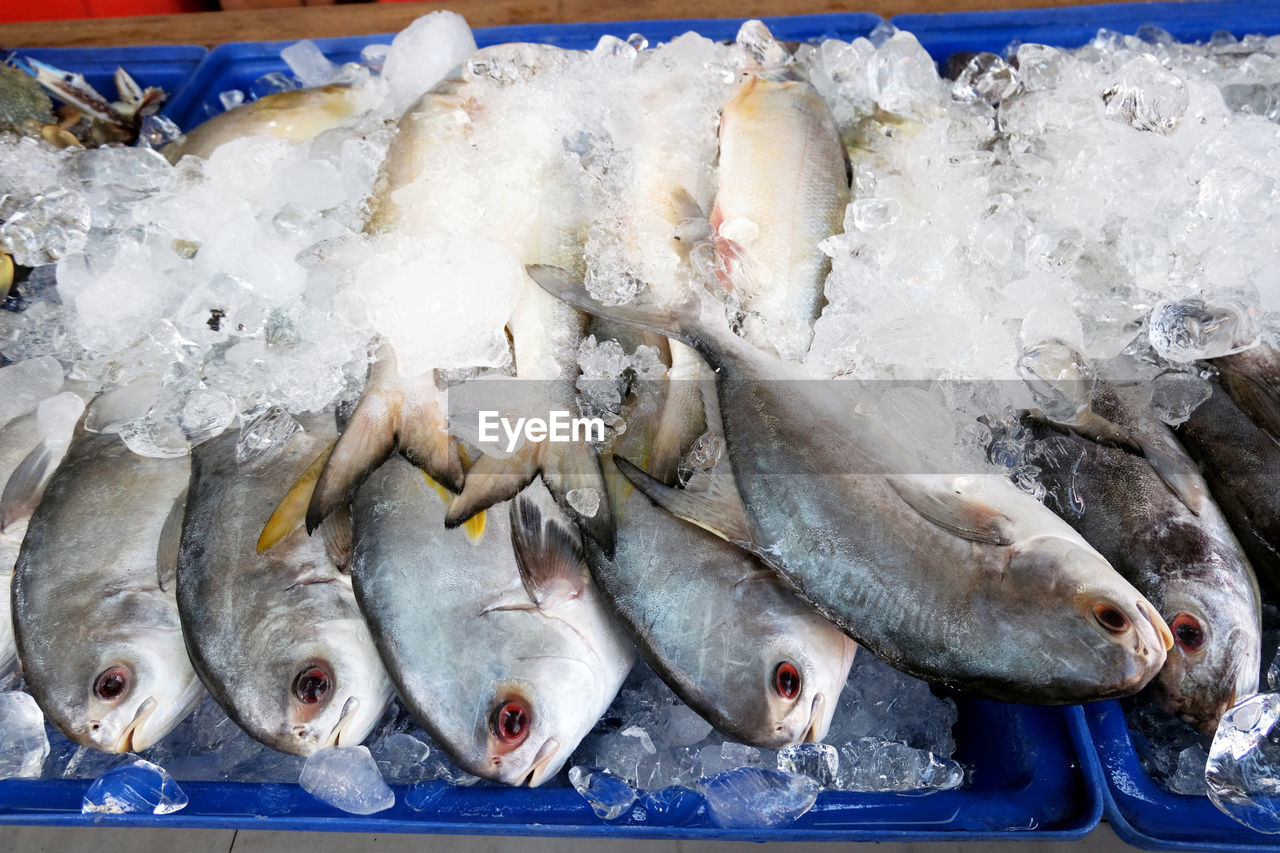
(1111, 640)
(126, 695)
(321, 687)
(1216, 653)
(533, 720)
(796, 678)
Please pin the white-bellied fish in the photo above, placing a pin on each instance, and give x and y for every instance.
(96, 621)
(276, 637)
(497, 641)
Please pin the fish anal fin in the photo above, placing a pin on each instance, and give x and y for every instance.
(547, 547)
(291, 512)
(719, 509)
(26, 485)
(170, 542)
(965, 515)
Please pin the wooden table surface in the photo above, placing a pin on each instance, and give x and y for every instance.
(210, 28)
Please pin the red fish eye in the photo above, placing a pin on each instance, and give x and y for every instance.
(111, 684)
(1187, 632)
(1110, 618)
(786, 680)
(511, 722)
(311, 685)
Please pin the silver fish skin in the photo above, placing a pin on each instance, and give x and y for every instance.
(1241, 463)
(1026, 610)
(296, 116)
(99, 638)
(506, 679)
(1184, 559)
(276, 637)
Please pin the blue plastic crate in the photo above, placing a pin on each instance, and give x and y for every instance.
(1146, 815)
(236, 65)
(1072, 26)
(1033, 776)
(170, 67)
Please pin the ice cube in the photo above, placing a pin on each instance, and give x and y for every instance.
(23, 742)
(752, 798)
(819, 761)
(1243, 771)
(1147, 96)
(986, 78)
(401, 757)
(1176, 395)
(1190, 329)
(374, 56)
(718, 758)
(264, 435)
(1060, 378)
(586, 501)
(683, 726)
(609, 795)
(25, 383)
(422, 53)
(872, 214)
(423, 796)
(1189, 778)
(231, 98)
(308, 63)
(270, 84)
(674, 805)
(47, 229)
(206, 414)
(347, 778)
(873, 764)
(138, 787)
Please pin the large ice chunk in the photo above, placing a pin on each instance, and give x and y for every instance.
(609, 795)
(1243, 773)
(423, 53)
(23, 742)
(758, 799)
(138, 787)
(347, 778)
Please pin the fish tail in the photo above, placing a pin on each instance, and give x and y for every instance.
(490, 481)
(291, 512)
(368, 440)
(424, 438)
(684, 416)
(572, 466)
(688, 321)
(26, 485)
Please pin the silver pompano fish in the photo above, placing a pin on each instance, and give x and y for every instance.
(98, 636)
(296, 116)
(506, 655)
(276, 637)
(1241, 463)
(961, 580)
(716, 624)
(1182, 557)
(31, 447)
(782, 189)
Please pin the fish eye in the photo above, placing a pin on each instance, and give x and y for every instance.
(1187, 632)
(111, 684)
(1110, 617)
(311, 685)
(786, 680)
(510, 722)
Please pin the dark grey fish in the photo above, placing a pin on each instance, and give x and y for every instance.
(1252, 378)
(961, 580)
(1241, 463)
(1182, 556)
(276, 636)
(97, 628)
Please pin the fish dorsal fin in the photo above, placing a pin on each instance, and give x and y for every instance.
(26, 485)
(548, 550)
(1254, 400)
(944, 501)
(170, 539)
(337, 535)
(719, 509)
(1174, 467)
(291, 512)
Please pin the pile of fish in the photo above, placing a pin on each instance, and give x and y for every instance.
(576, 413)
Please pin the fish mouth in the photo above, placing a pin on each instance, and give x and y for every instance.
(812, 733)
(129, 740)
(540, 768)
(339, 728)
(1157, 622)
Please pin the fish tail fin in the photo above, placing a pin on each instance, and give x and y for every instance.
(688, 320)
(718, 510)
(491, 480)
(424, 438)
(368, 440)
(1257, 401)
